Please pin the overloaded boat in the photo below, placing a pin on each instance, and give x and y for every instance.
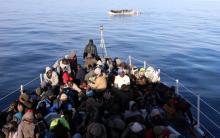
(104, 98)
(123, 12)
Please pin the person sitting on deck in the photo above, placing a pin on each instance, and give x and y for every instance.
(121, 79)
(118, 62)
(90, 73)
(80, 75)
(64, 66)
(25, 99)
(27, 128)
(51, 77)
(72, 58)
(66, 77)
(71, 89)
(89, 60)
(100, 82)
(18, 115)
(141, 80)
(90, 48)
(62, 104)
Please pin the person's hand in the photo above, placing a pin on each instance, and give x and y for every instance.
(81, 94)
(88, 88)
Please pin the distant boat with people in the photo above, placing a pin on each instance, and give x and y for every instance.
(123, 12)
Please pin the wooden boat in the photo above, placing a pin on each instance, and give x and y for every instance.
(123, 12)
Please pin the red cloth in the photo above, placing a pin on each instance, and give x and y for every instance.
(149, 134)
(165, 133)
(66, 78)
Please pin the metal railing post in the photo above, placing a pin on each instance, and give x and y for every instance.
(22, 88)
(144, 64)
(129, 59)
(41, 78)
(198, 111)
(102, 42)
(177, 87)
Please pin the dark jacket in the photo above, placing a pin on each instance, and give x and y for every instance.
(90, 48)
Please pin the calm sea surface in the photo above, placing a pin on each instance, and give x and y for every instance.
(180, 38)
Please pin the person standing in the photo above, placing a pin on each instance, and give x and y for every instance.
(90, 48)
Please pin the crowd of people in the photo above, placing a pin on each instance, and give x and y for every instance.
(104, 98)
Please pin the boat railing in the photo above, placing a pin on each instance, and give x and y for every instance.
(30, 85)
(4, 101)
(207, 116)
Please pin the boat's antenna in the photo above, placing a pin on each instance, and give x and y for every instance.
(102, 42)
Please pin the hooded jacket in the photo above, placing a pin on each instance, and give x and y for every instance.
(90, 48)
(54, 80)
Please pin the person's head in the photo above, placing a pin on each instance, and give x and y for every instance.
(63, 97)
(20, 107)
(121, 72)
(50, 94)
(155, 113)
(136, 127)
(89, 67)
(48, 72)
(123, 65)
(64, 61)
(83, 84)
(60, 131)
(78, 67)
(141, 102)
(38, 91)
(142, 72)
(38, 114)
(96, 130)
(118, 62)
(89, 56)
(90, 41)
(99, 64)
(98, 71)
(125, 88)
(28, 116)
(72, 55)
(24, 97)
